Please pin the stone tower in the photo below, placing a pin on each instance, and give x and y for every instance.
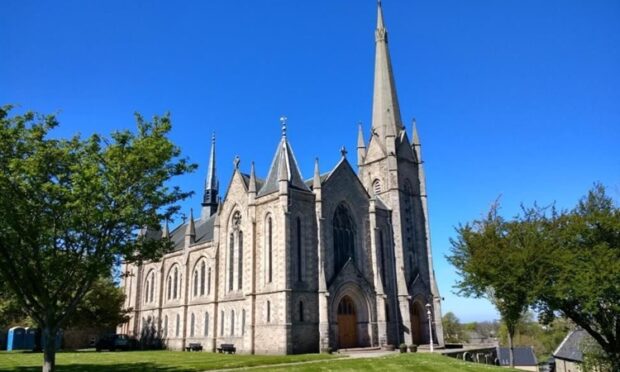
(391, 169)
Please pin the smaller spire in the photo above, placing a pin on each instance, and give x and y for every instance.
(165, 234)
(316, 181)
(283, 120)
(360, 136)
(191, 228)
(252, 186)
(415, 136)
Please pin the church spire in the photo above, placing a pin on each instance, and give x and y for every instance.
(385, 109)
(209, 200)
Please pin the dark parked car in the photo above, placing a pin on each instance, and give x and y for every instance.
(117, 342)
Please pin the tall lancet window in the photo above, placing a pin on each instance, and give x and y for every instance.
(300, 251)
(240, 260)
(236, 236)
(202, 278)
(175, 283)
(152, 286)
(409, 229)
(344, 237)
(269, 251)
(209, 281)
(195, 283)
(231, 262)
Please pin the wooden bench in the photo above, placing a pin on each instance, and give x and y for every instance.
(193, 347)
(227, 348)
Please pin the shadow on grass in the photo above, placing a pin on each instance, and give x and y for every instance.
(123, 367)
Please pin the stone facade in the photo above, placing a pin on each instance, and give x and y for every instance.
(284, 265)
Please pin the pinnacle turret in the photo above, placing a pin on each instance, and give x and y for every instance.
(165, 233)
(191, 227)
(316, 180)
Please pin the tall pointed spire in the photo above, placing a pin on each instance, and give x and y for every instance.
(385, 109)
(209, 200)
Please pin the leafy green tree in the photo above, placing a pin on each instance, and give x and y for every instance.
(497, 259)
(453, 329)
(583, 269)
(563, 262)
(70, 209)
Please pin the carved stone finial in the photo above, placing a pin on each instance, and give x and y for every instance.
(343, 151)
(236, 161)
(283, 120)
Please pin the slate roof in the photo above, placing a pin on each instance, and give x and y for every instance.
(309, 182)
(524, 356)
(570, 348)
(259, 181)
(283, 159)
(204, 232)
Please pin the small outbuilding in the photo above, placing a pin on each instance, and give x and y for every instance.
(569, 355)
(524, 358)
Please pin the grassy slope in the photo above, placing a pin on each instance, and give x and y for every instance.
(177, 361)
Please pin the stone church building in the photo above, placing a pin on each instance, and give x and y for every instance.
(286, 265)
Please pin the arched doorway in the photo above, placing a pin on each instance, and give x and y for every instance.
(415, 313)
(347, 323)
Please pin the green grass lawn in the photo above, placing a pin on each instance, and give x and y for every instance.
(172, 361)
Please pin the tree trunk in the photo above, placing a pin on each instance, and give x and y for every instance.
(511, 352)
(49, 349)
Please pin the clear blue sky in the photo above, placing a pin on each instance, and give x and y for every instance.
(516, 98)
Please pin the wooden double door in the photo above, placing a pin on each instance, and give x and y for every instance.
(347, 323)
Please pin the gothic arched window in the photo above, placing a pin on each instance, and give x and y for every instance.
(232, 322)
(222, 323)
(299, 250)
(203, 267)
(146, 295)
(152, 286)
(195, 283)
(209, 281)
(344, 237)
(376, 186)
(240, 260)
(175, 284)
(231, 261)
(409, 226)
(206, 324)
(192, 324)
(243, 322)
(269, 253)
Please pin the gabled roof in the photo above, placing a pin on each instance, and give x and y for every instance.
(204, 232)
(283, 159)
(246, 179)
(570, 348)
(523, 356)
(310, 181)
